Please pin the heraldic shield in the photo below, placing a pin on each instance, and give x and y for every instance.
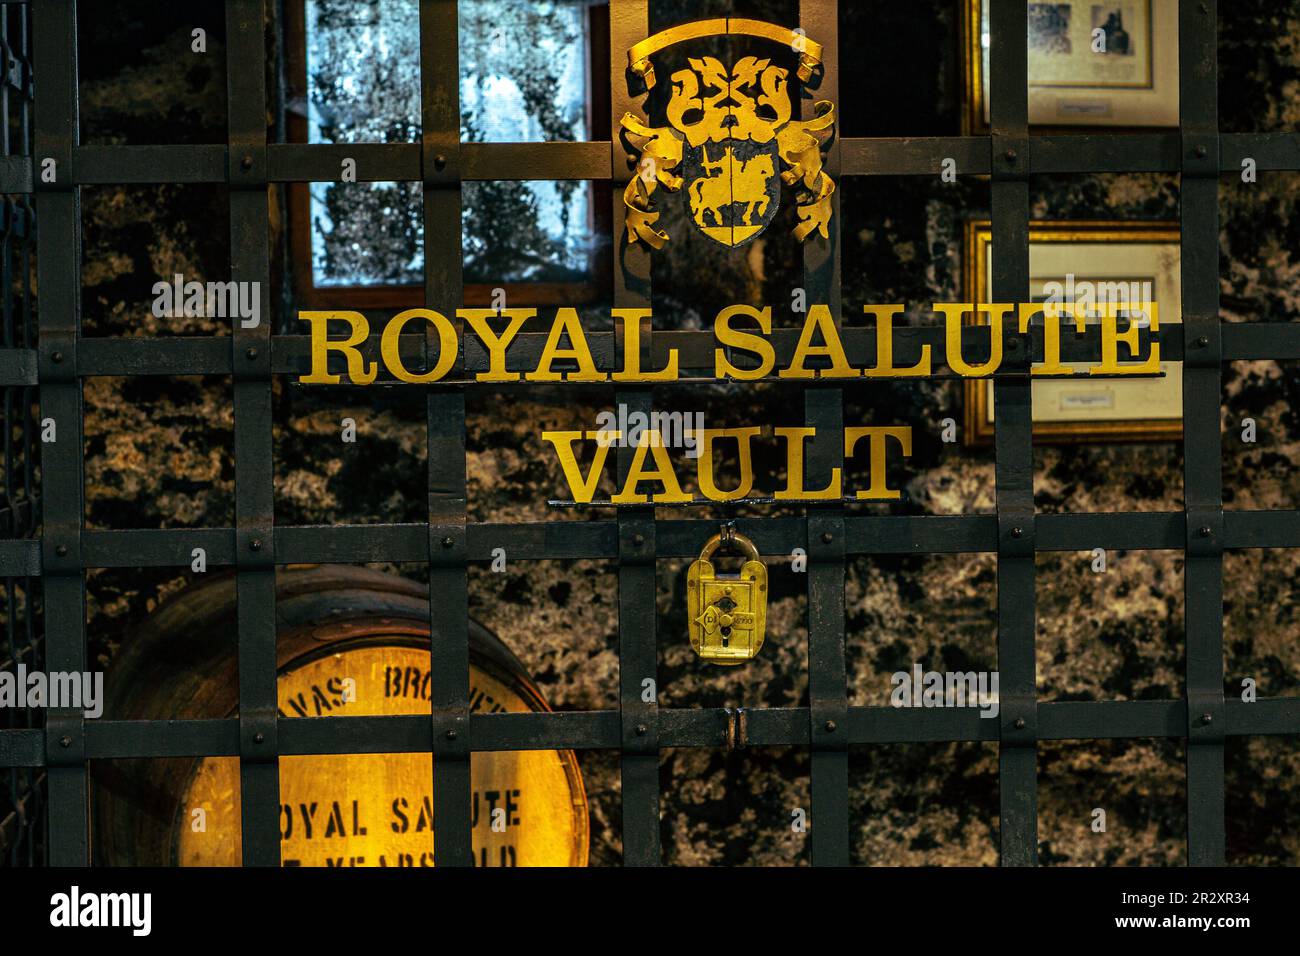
(730, 142)
(732, 188)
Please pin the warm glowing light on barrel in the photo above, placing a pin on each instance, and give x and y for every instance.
(377, 809)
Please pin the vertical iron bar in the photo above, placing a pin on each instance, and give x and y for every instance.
(445, 413)
(1202, 470)
(254, 469)
(824, 411)
(31, 845)
(828, 705)
(629, 22)
(59, 268)
(1013, 436)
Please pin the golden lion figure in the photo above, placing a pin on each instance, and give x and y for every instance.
(746, 184)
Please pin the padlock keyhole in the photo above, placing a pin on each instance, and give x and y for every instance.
(726, 605)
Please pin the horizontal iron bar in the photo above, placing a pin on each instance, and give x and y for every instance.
(181, 355)
(678, 727)
(1120, 153)
(1272, 151)
(674, 538)
(290, 354)
(1260, 341)
(127, 165)
(323, 162)
(211, 355)
(113, 739)
(859, 156)
(1096, 720)
(914, 155)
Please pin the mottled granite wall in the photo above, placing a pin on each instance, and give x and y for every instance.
(159, 455)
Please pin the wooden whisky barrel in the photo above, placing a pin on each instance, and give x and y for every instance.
(351, 642)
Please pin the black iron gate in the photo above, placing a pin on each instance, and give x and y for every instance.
(53, 755)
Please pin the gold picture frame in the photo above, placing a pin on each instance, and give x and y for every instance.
(1079, 410)
(1136, 88)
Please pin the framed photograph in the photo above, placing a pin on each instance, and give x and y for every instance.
(1144, 256)
(1091, 63)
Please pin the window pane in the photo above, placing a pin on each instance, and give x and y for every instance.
(523, 78)
(526, 232)
(523, 71)
(366, 234)
(363, 71)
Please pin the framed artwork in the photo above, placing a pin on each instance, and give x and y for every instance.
(1145, 258)
(1091, 63)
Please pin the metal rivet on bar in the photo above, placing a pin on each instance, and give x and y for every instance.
(1010, 155)
(827, 537)
(448, 541)
(65, 741)
(56, 357)
(638, 539)
(259, 738)
(440, 161)
(1019, 723)
(451, 735)
(641, 730)
(255, 544)
(61, 550)
(1205, 531)
(251, 352)
(1207, 718)
(1017, 532)
(830, 726)
(246, 162)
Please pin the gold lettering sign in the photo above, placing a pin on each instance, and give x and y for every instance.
(649, 447)
(739, 331)
(528, 807)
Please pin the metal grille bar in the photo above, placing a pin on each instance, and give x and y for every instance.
(637, 545)
(1013, 424)
(1202, 476)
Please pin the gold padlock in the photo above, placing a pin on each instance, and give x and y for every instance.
(727, 613)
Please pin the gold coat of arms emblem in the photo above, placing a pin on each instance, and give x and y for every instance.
(731, 140)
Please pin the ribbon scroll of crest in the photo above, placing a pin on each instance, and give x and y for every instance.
(728, 128)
